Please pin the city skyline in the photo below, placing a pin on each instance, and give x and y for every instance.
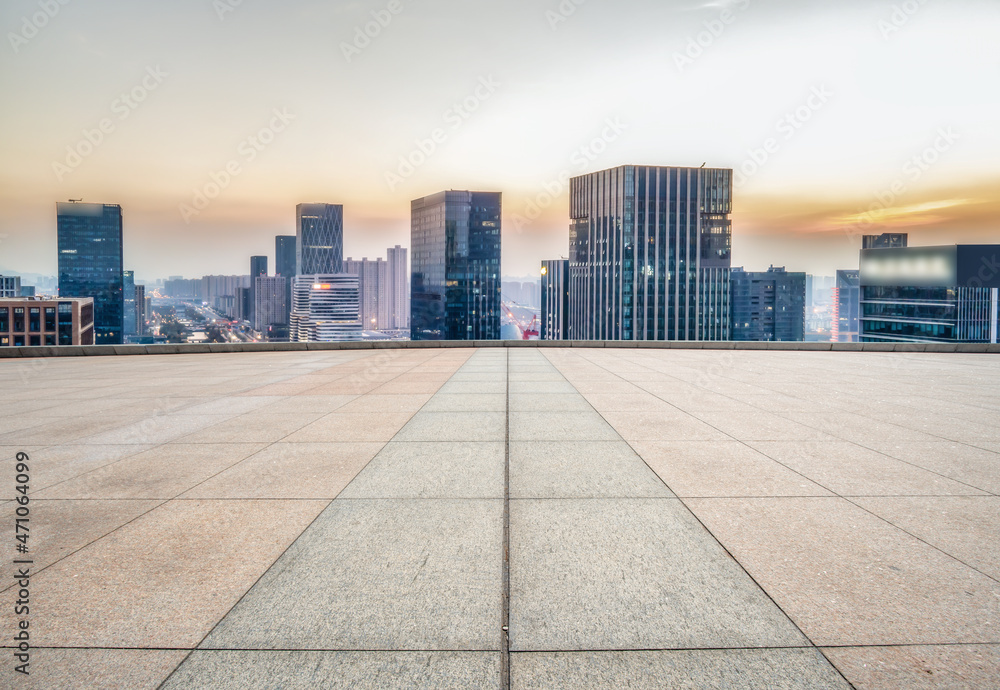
(822, 112)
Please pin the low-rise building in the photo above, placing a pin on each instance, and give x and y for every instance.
(34, 322)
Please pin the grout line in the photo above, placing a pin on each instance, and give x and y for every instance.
(505, 578)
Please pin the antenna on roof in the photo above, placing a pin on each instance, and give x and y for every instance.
(704, 164)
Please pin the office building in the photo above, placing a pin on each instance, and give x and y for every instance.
(141, 310)
(325, 309)
(399, 289)
(284, 265)
(768, 306)
(241, 304)
(889, 240)
(374, 292)
(455, 290)
(846, 307)
(555, 300)
(270, 308)
(128, 304)
(319, 239)
(930, 294)
(650, 254)
(10, 287)
(38, 322)
(90, 263)
(27, 291)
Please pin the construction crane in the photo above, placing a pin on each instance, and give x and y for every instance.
(528, 331)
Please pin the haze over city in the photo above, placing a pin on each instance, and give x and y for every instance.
(821, 109)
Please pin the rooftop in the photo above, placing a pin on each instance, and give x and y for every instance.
(673, 518)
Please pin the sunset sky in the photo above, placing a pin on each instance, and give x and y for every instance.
(840, 118)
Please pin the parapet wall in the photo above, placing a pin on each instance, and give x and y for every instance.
(120, 350)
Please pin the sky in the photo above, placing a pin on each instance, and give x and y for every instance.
(209, 120)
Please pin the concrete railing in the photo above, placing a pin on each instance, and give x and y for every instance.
(121, 350)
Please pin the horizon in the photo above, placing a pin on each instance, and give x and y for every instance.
(837, 121)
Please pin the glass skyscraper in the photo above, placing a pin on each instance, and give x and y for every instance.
(90, 263)
(650, 254)
(320, 239)
(768, 306)
(455, 289)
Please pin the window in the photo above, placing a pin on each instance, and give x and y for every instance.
(4, 319)
(50, 339)
(19, 319)
(34, 319)
(35, 340)
(50, 319)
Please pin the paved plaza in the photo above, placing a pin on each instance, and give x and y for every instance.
(673, 519)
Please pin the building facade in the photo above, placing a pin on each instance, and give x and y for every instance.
(319, 239)
(930, 294)
(284, 265)
(270, 308)
(375, 290)
(38, 322)
(131, 317)
(10, 287)
(650, 254)
(325, 309)
(846, 307)
(888, 240)
(555, 300)
(399, 289)
(768, 306)
(91, 265)
(455, 287)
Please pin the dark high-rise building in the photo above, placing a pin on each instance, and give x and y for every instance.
(90, 263)
(768, 306)
(258, 266)
(889, 240)
(320, 239)
(455, 290)
(258, 269)
(846, 307)
(555, 300)
(128, 301)
(650, 254)
(930, 294)
(141, 311)
(284, 266)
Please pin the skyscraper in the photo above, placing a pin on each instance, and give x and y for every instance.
(284, 266)
(399, 290)
(258, 266)
(270, 308)
(128, 304)
(455, 239)
(374, 292)
(768, 306)
(325, 309)
(142, 314)
(846, 307)
(555, 300)
(320, 239)
(258, 269)
(930, 294)
(650, 254)
(90, 263)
